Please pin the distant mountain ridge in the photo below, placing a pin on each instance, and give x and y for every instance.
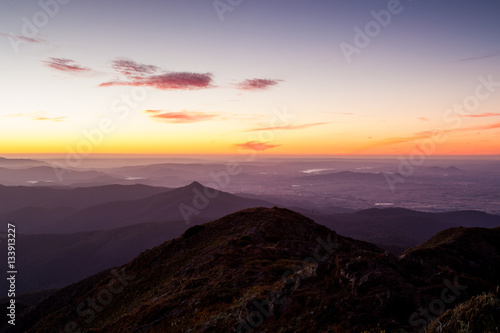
(188, 203)
(275, 265)
(72, 232)
(397, 229)
(33, 209)
(346, 176)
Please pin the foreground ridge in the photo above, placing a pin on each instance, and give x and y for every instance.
(270, 269)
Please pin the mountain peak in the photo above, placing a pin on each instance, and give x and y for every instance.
(191, 186)
(195, 184)
(264, 225)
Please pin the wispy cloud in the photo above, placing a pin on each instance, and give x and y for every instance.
(136, 74)
(257, 84)
(478, 57)
(131, 73)
(257, 146)
(181, 117)
(484, 127)
(423, 119)
(286, 127)
(482, 115)
(36, 40)
(168, 81)
(428, 134)
(55, 119)
(131, 68)
(65, 65)
(40, 115)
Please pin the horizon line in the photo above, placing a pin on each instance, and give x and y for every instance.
(257, 156)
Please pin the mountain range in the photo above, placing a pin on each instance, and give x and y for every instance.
(81, 231)
(275, 270)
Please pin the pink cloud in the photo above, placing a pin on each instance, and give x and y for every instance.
(482, 115)
(257, 84)
(168, 81)
(257, 146)
(423, 119)
(181, 117)
(130, 68)
(431, 133)
(37, 40)
(65, 65)
(136, 74)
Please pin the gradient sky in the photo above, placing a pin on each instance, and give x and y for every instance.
(181, 77)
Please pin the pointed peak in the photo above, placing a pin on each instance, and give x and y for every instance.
(195, 184)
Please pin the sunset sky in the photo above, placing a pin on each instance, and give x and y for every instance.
(223, 77)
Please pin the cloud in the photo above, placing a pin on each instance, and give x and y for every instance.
(132, 73)
(482, 115)
(130, 68)
(286, 127)
(181, 117)
(40, 115)
(428, 134)
(257, 146)
(36, 40)
(55, 119)
(423, 119)
(478, 57)
(257, 84)
(484, 127)
(168, 81)
(136, 74)
(65, 65)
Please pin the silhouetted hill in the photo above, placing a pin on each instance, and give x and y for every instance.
(34, 220)
(189, 203)
(9, 176)
(13, 197)
(56, 260)
(471, 252)
(397, 229)
(265, 269)
(52, 259)
(479, 314)
(452, 170)
(32, 208)
(470, 218)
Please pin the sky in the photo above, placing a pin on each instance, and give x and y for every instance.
(238, 76)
